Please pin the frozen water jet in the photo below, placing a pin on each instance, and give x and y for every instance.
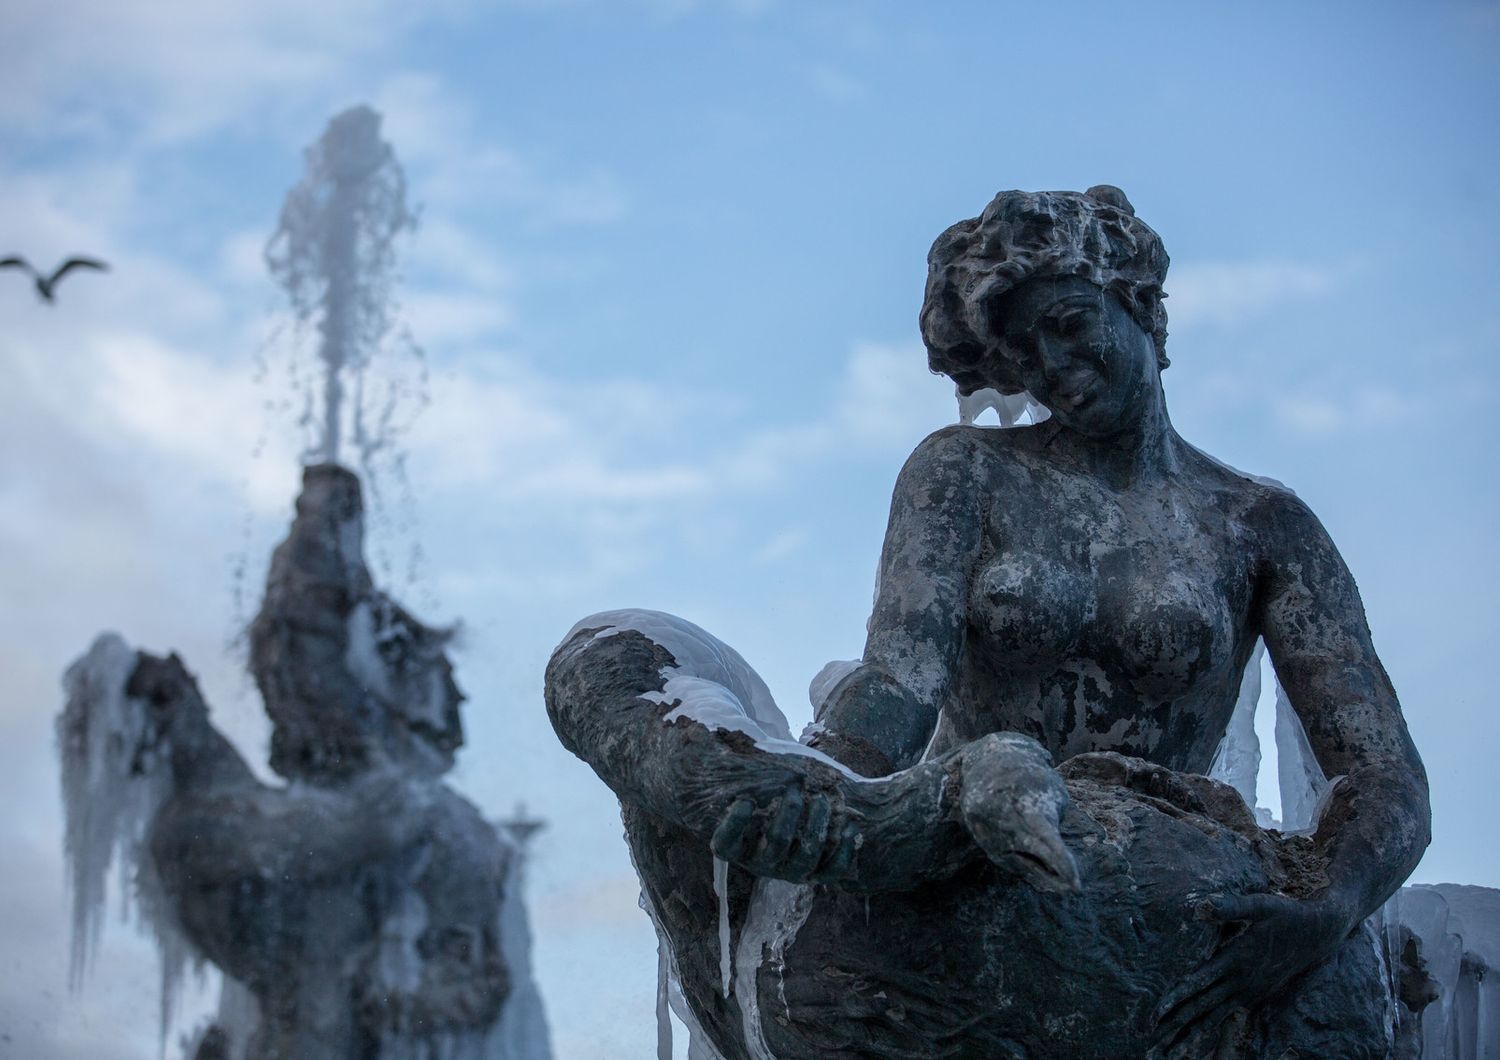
(334, 252)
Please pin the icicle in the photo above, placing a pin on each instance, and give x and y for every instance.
(1301, 779)
(1011, 409)
(721, 889)
(663, 1011)
(777, 912)
(113, 780)
(1237, 760)
(239, 1015)
(174, 954)
(826, 680)
(521, 1032)
(97, 726)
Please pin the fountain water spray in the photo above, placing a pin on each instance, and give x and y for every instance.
(333, 252)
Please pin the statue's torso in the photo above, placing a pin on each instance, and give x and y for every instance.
(376, 937)
(1107, 620)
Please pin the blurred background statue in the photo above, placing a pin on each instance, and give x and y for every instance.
(363, 908)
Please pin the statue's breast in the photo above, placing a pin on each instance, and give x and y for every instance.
(1154, 614)
(1034, 609)
(1165, 622)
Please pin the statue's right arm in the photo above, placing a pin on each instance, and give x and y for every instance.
(880, 717)
(792, 816)
(226, 835)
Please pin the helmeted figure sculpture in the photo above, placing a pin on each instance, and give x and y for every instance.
(365, 909)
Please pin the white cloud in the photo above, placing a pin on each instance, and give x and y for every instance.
(1228, 292)
(674, 9)
(521, 435)
(446, 251)
(169, 69)
(836, 85)
(242, 260)
(885, 402)
(439, 319)
(1362, 406)
(1310, 414)
(456, 163)
(781, 545)
(142, 355)
(159, 71)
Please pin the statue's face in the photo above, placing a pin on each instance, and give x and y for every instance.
(1079, 352)
(427, 698)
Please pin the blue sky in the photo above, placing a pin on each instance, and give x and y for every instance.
(667, 278)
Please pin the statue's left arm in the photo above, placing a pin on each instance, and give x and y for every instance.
(1376, 822)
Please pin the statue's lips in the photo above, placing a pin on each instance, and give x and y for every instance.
(1078, 397)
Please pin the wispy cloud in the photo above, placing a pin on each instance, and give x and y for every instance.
(461, 289)
(523, 435)
(611, 461)
(164, 70)
(458, 164)
(1229, 292)
(885, 402)
(669, 10)
(781, 545)
(683, 8)
(1362, 406)
(836, 85)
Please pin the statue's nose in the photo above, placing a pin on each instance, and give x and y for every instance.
(1054, 355)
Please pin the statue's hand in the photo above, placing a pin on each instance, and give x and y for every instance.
(1268, 940)
(1012, 805)
(793, 836)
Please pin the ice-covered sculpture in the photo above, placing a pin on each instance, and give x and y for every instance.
(916, 878)
(362, 909)
(1443, 943)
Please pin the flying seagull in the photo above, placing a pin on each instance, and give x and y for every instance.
(46, 284)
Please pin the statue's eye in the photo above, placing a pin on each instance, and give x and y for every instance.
(1071, 321)
(1014, 352)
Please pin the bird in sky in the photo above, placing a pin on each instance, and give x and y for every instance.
(45, 285)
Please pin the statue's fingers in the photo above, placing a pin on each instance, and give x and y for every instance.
(807, 851)
(785, 820)
(1201, 1014)
(1227, 908)
(730, 839)
(809, 1001)
(841, 858)
(1191, 985)
(1197, 994)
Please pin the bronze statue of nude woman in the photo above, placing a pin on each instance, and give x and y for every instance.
(997, 838)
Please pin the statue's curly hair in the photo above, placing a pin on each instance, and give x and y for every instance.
(1093, 234)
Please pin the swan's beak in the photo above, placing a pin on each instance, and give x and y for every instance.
(1039, 856)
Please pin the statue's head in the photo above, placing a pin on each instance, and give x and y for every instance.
(994, 280)
(410, 705)
(350, 679)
